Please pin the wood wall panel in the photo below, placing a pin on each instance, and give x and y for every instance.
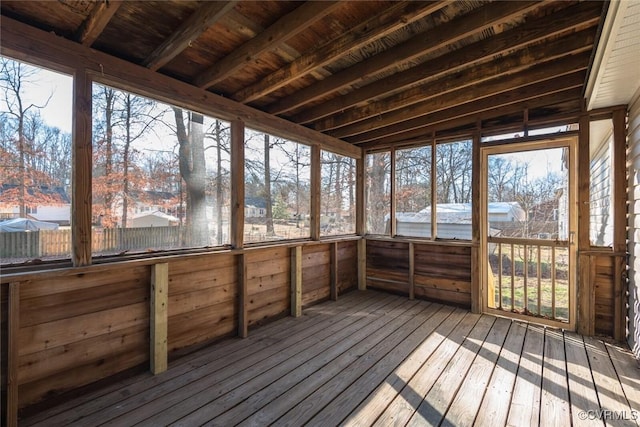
(80, 328)
(316, 273)
(202, 300)
(604, 294)
(443, 273)
(268, 283)
(388, 266)
(347, 266)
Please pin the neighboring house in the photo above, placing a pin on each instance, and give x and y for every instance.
(56, 205)
(154, 219)
(454, 219)
(157, 201)
(255, 207)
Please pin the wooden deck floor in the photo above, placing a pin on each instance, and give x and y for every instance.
(377, 359)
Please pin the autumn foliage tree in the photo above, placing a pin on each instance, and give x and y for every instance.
(34, 157)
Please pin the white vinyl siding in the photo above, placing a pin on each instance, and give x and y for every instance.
(633, 159)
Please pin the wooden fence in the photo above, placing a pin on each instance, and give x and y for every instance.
(51, 243)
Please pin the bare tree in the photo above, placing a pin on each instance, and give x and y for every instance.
(193, 171)
(15, 77)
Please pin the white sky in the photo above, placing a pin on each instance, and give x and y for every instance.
(58, 111)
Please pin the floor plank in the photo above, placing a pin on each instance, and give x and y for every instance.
(608, 387)
(195, 392)
(525, 400)
(406, 403)
(581, 387)
(495, 403)
(464, 407)
(377, 359)
(554, 399)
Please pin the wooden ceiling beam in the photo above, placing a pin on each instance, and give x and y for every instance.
(423, 133)
(95, 23)
(26, 43)
(283, 29)
(538, 89)
(454, 30)
(492, 88)
(381, 25)
(538, 56)
(199, 21)
(576, 17)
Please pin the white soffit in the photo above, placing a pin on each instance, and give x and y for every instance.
(615, 75)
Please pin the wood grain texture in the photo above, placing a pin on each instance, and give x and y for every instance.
(27, 43)
(296, 281)
(13, 354)
(371, 358)
(81, 170)
(190, 29)
(158, 321)
(286, 27)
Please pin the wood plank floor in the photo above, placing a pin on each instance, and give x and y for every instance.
(377, 359)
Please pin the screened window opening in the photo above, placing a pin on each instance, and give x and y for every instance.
(277, 188)
(161, 175)
(453, 190)
(338, 195)
(413, 191)
(35, 163)
(378, 192)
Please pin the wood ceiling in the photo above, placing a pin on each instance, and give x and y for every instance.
(370, 73)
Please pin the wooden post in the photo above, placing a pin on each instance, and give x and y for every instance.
(360, 195)
(243, 315)
(237, 184)
(361, 221)
(13, 329)
(296, 281)
(412, 268)
(392, 209)
(159, 317)
(586, 309)
(362, 264)
(434, 195)
(619, 222)
(81, 170)
(314, 222)
(334, 271)
(477, 292)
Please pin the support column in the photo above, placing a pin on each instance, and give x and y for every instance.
(81, 170)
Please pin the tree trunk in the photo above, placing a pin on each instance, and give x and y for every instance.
(192, 169)
(108, 197)
(219, 201)
(125, 162)
(267, 187)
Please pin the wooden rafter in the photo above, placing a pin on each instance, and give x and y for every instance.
(204, 17)
(419, 45)
(534, 31)
(286, 27)
(381, 25)
(427, 119)
(95, 23)
(24, 42)
(469, 114)
(491, 88)
(537, 56)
